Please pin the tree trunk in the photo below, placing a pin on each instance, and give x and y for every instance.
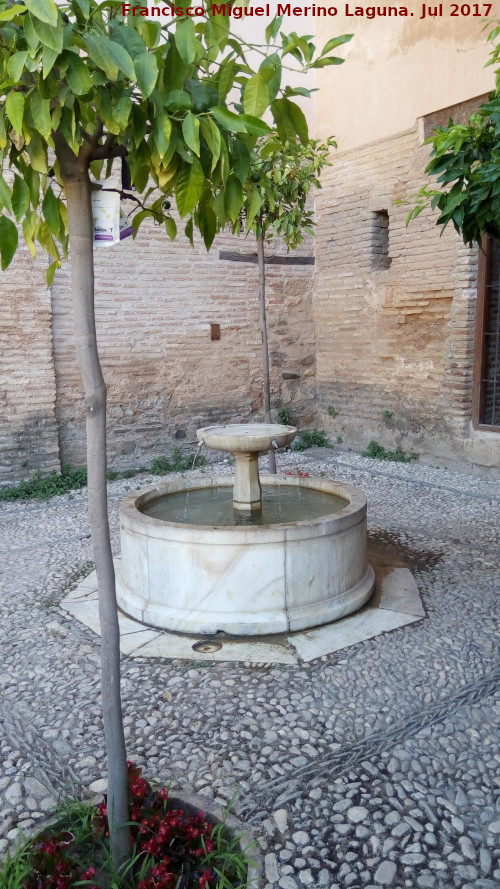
(77, 188)
(265, 346)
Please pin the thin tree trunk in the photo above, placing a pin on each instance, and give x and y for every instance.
(265, 346)
(77, 188)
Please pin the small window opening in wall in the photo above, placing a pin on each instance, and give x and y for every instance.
(215, 332)
(380, 240)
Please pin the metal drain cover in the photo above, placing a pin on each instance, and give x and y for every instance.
(207, 647)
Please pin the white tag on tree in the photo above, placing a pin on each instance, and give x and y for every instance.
(106, 213)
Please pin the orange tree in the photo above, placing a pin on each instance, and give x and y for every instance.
(81, 85)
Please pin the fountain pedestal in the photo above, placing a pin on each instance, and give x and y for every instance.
(247, 490)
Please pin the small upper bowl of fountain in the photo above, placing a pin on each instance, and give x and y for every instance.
(247, 437)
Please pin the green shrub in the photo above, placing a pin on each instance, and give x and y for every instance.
(285, 416)
(378, 452)
(310, 438)
(177, 462)
(42, 487)
(332, 412)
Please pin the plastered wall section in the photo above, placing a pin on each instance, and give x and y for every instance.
(395, 340)
(399, 67)
(155, 303)
(28, 428)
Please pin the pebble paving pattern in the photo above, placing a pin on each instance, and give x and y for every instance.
(378, 765)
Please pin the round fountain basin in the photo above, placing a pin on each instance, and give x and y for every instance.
(246, 437)
(245, 578)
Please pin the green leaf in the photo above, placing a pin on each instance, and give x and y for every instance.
(78, 76)
(3, 132)
(234, 197)
(146, 73)
(14, 107)
(63, 211)
(16, 64)
(32, 179)
(188, 231)
(191, 132)
(170, 227)
(140, 217)
(139, 124)
(50, 209)
(323, 63)
(189, 187)
(334, 42)
(121, 111)
(48, 58)
(37, 153)
(128, 37)
(150, 32)
(49, 36)
(254, 125)
(45, 10)
(185, 40)
(8, 240)
(240, 157)
(51, 271)
(30, 34)
(178, 99)
(207, 224)
(256, 94)
(45, 238)
(162, 131)
(29, 225)
(272, 65)
(298, 120)
(5, 195)
(273, 27)
(110, 57)
(84, 7)
(20, 197)
(228, 120)
(139, 162)
(253, 207)
(40, 110)
(226, 78)
(211, 134)
(6, 15)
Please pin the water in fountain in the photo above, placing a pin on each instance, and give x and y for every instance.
(214, 506)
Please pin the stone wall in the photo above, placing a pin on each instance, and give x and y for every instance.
(393, 336)
(155, 303)
(28, 429)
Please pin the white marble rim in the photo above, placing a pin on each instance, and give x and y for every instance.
(246, 437)
(132, 517)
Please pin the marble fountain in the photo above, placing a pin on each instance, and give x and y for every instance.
(251, 557)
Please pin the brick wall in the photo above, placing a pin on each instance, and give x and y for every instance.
(155, 302)
(397, 338)
(28, 429)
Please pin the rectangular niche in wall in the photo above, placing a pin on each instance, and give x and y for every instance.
(380, 240)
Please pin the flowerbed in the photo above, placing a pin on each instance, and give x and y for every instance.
(172, 849)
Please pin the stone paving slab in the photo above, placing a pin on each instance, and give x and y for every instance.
(375, 765)
(395, 603)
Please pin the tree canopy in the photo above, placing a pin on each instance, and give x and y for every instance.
(80, 81)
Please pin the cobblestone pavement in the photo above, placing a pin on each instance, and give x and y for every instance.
(378, 765)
